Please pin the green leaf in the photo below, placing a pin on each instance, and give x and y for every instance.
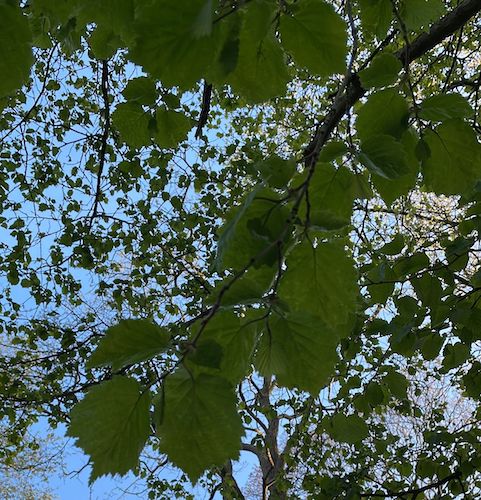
(112, 424)
(431, 346)
(384, 156)
(252, 230)
(380, 282)
(208, 353)
(442, 107)
(229, 229)
(397, 384)
(115, 15)
(200, 427)
(204, 22)
(104, 43)
(376, 16)
(299, 350)
(261, 71)
(347, 428)
(385, 113)
(133, 124)
(331, 195)
(383, 70)
(168, 43)
(276, 171)
(172, 128)
(418, 14)
(332, 150)
(411, 265)
(392, 189)
(455, 355)
(129, 342)
(15, 49)
(248, 289)
(237, 337)
(321, 281)
(315, 36)
(141, 90)
(453, 166)
(395, 246)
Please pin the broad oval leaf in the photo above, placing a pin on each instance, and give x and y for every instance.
(129, 342)
(200, 426)
(315, 36)
(111, 424)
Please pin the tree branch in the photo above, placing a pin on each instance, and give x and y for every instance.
(422, 44)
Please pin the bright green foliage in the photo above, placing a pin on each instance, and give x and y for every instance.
(133, 124)
(321, 281)
(171, 127)
(262, 178)
(129, 342)
(200, 426)
(331, 196)
(418, 14)
(392, 189)
(236, 338)
(15, 48)
(315, 36)
(376, 16)
(384, 156)
(252, 230)
(248, 289)
(442, 107)
(385, 112)
(141, 90)
(167, 43)
(111, 424)
(383, 70)
(276, 171)
(261, 70)
(453, 165)
(300, 350)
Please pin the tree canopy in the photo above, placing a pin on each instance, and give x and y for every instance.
(246, 226)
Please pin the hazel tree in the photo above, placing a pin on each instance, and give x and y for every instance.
(245, 226)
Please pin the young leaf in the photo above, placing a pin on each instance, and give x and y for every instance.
(331, 195)
(251, 231)
(229, 229)
(392, 189)
(236, 337)
(129, 342)
(200, 427)
(276, 171)
(111, 424)
(315, 36)
(173, 42)
(141, 90)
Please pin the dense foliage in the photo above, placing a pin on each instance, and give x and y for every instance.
(246, 225)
